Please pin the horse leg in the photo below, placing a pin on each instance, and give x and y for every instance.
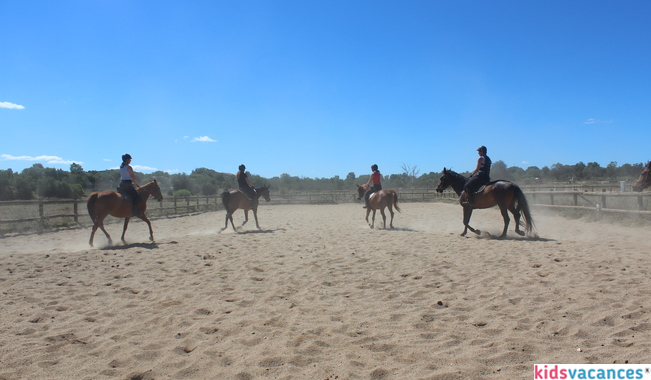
(225, 224)
(246, 216)
(368, 211)
(516, 216)
(151, 231)
(384, 218)
(373, 219)
(124, 229)
(467, 212)
(391, 211)
(255, 216)
(505, 216)
(100, 223)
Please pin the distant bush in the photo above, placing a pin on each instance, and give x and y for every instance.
(208, 189)
(182, 193)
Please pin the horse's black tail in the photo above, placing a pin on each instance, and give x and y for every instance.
(523, 207)
(90, 205)
(395, 201)
(226, 197)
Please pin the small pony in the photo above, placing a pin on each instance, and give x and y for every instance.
(379, 200)
(235, 199)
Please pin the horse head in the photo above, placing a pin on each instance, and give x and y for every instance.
(444, 181)
(644, 180)
(155, 191)
(361, 190)
(264, 192)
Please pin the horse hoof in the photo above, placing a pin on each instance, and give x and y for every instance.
(478, 232)
(521, 233)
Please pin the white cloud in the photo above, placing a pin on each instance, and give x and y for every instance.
(142, 168)
(44, 159)
(203, 139)
(138, 168)
(595, 121)
(11, 106)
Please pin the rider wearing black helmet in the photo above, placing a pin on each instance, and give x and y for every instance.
(128, 181)
(244, 183)
(479, 177)
(374, 183)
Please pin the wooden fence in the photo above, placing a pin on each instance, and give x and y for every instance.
(39, 215)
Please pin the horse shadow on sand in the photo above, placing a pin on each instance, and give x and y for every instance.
(152, 245)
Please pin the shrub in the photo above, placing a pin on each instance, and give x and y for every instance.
(182, 193)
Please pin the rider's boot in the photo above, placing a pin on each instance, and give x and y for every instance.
(469, 200)
(135, 211)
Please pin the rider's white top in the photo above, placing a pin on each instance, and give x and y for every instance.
(124, 173)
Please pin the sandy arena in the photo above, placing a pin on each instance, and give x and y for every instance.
(318, 295)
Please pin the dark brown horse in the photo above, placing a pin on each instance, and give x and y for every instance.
(105, 203)
(379, 200)
(507, 195)
(235, 199)
(645, 179)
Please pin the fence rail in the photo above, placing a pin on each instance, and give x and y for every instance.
(39, 215)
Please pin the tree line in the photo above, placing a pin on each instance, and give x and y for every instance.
(38, 181)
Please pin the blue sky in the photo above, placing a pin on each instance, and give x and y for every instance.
(323, 88)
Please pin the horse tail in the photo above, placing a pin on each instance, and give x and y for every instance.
(226, 197)
(523, 207)
(394, 195)
(92, 211)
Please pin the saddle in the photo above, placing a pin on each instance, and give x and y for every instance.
(126, 196)
(484, 186)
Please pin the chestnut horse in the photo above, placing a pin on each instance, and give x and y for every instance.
(507, 195)
(105, 203)
(235, 199)
(379, 200)
(645, 179)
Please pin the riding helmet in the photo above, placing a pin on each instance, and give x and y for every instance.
(126, 157)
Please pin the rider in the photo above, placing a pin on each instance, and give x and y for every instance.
(245, 184)
(479, 177)
(128, 182)
(374, 184)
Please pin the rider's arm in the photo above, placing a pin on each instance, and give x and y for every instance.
(133, 176)
(478, 167)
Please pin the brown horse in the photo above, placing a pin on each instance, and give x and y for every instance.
(105, 203)
(507, 195)
(235, 199)
(379, 200)
(645, 179)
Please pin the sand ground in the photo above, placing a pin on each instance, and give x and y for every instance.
(318, 295)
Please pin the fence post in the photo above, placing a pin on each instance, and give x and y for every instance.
(640, 202)
(76, 213)
(41, 224)
(576, 200)
(603, 201)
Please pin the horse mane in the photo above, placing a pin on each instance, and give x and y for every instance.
(453, 174)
